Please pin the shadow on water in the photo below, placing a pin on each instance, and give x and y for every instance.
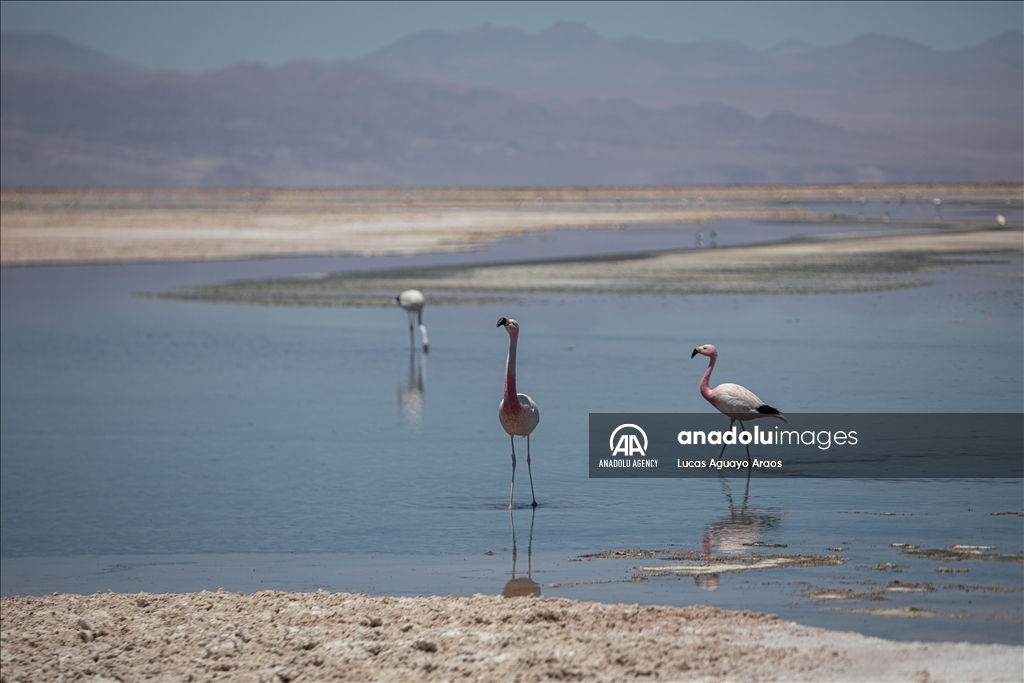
(524, 585)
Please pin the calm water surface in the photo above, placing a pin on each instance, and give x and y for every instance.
(169, 446)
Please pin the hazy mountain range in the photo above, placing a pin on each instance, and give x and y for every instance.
(495, 106)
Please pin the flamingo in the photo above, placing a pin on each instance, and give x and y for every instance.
(518, 413)
(732, 400)
(412, 301)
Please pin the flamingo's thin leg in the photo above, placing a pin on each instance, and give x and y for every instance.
(750, 463)
(513, 487)
(530, 470)
(722, 452)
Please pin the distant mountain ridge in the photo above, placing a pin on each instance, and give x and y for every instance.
(44, 51)
(570, 60)
(409, 115)
(449, 55)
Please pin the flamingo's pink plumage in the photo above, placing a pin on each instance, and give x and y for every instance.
(739, 403)
(518, 413)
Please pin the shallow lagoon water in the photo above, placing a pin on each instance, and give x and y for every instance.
(167, 446)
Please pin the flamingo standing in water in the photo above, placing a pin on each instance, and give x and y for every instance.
(738, 403)
(518, 413)
(412, 301)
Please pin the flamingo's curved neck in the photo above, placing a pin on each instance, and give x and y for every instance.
(705, 389)
(510, 371)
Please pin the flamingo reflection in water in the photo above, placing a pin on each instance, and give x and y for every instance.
(524, 586)
(735, 533)
(410, 392)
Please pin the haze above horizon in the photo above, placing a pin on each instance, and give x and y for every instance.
(191, 36)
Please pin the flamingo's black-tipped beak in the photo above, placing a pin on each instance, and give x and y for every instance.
(695, 352)
(502, 322)
(396, 300)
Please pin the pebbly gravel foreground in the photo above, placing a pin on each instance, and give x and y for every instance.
(281, 637)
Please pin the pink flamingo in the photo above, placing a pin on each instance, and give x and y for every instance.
(738, 403)
(518, 413)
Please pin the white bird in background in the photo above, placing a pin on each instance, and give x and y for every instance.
(518, 413)
(738, 403)
(412, 301)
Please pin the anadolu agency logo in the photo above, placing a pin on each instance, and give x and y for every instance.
(628, 445)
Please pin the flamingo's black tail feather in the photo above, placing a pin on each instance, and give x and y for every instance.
(766, 409)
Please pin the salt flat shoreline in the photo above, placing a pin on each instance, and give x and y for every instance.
(277, 636)
(64, 226)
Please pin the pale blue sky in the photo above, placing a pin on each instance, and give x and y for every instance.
(195, 36)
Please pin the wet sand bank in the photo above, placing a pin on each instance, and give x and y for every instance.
(810, 266)
(274, 636)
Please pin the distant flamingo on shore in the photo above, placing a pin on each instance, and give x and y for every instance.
(412, 301)
(732, 400)
(518, 413)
